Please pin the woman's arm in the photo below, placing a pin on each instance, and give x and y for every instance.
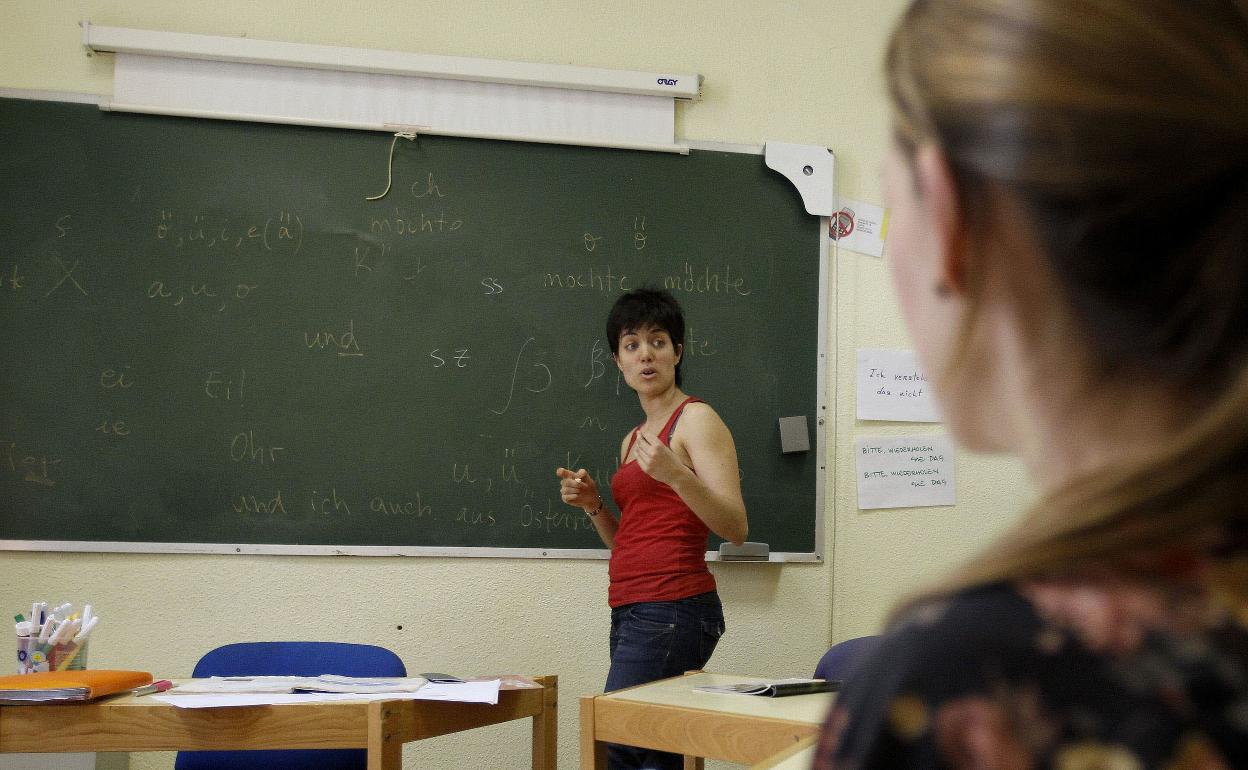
(579, 488)
(711, 483)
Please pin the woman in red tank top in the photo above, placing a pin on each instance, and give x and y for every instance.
(678, 481)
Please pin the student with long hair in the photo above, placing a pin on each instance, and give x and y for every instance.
(1069, 246)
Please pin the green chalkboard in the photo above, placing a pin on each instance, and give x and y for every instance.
(212, 337)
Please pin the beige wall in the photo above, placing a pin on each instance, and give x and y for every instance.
(795, 71)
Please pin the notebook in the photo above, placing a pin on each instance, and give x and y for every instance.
(68, 686)
(774, 688)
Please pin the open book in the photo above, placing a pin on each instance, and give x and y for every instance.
(288, 684)
(774, 688)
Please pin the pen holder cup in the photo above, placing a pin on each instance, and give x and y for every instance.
(34, 655)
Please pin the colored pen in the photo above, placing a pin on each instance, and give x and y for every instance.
(158, 686)
(86, 629)
(59, 633)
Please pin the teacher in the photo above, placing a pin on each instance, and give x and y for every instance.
(677, 482)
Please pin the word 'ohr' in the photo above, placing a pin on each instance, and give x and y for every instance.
(243, 446)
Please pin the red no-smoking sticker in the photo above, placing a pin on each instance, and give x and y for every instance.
(841, 224)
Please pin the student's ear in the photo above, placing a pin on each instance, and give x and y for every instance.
(680, 351)
(616, 359)
(938, 192)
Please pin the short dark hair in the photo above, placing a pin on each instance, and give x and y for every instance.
(647, 307)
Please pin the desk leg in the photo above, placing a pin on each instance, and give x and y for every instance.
(593, 752)
(694, 763)
(385, 751)
(546, 725)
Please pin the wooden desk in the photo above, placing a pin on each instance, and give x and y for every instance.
(127, 723)
(799, 757)
(668, 715)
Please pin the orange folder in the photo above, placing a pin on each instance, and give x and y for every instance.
(68, 686)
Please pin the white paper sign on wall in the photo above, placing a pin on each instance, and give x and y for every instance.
(905, 471)
(892, 387)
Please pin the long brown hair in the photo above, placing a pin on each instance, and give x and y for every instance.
(1120, 129)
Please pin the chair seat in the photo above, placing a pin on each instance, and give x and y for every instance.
(290, 659)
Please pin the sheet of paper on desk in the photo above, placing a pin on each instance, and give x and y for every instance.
(464, 692)
(220, 685)
(359, 684)
(508, 682)
(468, 692)
(224, 700)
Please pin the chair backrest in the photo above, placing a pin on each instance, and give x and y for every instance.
(290, 659)
(841, 658)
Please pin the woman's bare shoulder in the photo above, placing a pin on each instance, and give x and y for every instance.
(701, 418)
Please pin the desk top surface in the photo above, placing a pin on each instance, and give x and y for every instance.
(128, 723)
(129, 700)
(678, 692)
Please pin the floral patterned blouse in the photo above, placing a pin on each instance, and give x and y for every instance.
(1095, 673)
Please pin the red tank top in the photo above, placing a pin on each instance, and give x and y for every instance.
(660, 546)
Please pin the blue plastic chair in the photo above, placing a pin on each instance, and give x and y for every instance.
(290, 659)
(843, 657)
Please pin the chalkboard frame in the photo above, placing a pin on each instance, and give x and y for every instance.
(822, 426)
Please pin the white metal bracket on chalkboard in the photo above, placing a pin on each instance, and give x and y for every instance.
(810, 168)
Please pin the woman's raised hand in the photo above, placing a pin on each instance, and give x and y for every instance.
(578, 488)
(657, 460)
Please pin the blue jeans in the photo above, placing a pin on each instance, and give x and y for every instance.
(656, 640)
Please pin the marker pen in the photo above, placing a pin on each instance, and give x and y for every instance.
(158, 686)
(86, 629)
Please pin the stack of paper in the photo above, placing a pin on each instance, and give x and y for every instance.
(217, 692)
(218, 685)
